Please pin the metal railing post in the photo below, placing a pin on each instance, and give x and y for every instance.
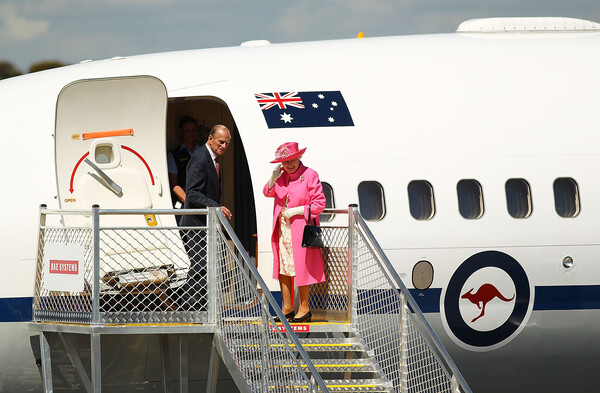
(46, 363)
(403, 344)
(38, 274)
(264, 351)
(212, 264)
(96, 261)
(96, 362)
(352, 265)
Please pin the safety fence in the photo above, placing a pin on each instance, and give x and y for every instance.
(119, 274)
(160, 273)
(105, 275)
(389, 323)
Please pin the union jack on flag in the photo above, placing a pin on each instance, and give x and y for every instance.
(304, 109)
(268, 101)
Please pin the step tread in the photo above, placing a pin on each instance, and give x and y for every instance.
(357, 365)
(312, 344)
(345, 385)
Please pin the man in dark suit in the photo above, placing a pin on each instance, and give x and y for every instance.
(203, 189)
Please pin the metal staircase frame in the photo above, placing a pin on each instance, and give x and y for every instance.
(256, 350)
(396, 311)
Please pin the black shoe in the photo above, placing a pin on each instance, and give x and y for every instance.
(289, 315)
(305, 318)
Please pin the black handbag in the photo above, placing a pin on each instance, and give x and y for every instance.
(311, 238)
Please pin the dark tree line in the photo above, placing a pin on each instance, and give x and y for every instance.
(8, 70)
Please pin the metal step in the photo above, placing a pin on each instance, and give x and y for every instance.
(348, 344)
(356, 385)
(327, 365)
(340, 385)
(310, 344)
(343, 365)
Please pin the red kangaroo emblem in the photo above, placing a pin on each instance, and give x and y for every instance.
(485, 294)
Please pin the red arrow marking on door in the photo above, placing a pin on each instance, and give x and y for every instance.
(75, 170)
(124, 147)
(141, 158)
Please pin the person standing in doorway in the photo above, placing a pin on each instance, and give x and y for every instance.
(203, 189)
(178, 158)
(203, 186)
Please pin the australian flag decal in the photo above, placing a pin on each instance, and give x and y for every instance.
(304, 109)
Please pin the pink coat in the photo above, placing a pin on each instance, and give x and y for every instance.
(304, 189)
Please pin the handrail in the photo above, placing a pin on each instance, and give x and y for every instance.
(167, 253)
(270, 299)
(97, 236)
(391, 273)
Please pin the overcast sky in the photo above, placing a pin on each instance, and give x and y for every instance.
(74, 30)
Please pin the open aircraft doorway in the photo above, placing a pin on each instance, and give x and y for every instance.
(236, 182)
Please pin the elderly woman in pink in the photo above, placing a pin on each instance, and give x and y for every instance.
(295, 188)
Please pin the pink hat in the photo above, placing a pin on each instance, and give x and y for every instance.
(287, 151)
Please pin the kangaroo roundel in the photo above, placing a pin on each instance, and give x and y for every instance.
(487, 301)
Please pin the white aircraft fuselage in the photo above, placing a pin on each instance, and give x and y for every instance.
(514, 300)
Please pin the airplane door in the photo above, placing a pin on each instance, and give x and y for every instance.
(110, 147)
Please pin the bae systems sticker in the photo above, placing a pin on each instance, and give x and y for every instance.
(487, 302)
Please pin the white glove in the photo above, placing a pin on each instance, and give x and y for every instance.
(294, 211)
(275, 175)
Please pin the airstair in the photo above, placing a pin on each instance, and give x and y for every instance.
(176, 283)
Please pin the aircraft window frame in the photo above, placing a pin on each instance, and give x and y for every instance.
(518, 198)
(470, 199)
(421, 200)
(371, 200)
(329, 202)
(566, 192)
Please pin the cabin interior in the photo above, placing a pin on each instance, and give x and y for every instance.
(236, 184)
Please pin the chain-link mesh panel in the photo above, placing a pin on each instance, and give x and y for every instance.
(423, 372)
(163, 275)
(153, 275)
(329, 300)
(411, 366)
(260, 351)
(147, 275)
(377, 313)
(63, 306)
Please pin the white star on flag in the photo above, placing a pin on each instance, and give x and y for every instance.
(287, 118)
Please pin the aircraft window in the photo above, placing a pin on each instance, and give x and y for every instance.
(470, 199)
(371, 200)
(422, 275)
(420, 199)
(329, 201)
(518, 198)
(104, 154)
(566, 197)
